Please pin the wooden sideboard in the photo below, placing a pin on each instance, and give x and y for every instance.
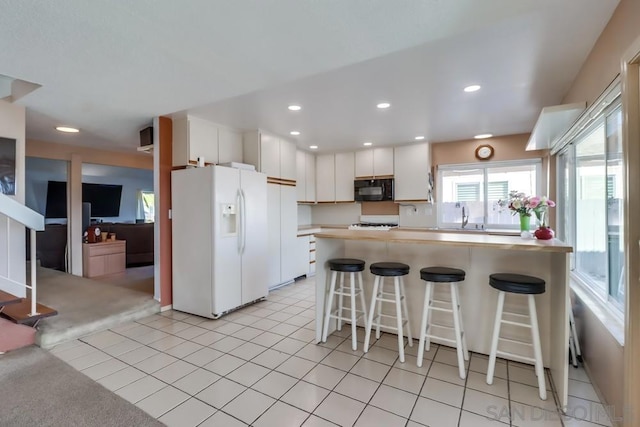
(103, 258)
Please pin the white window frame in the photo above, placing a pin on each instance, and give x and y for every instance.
(537, 162)
(605, 105)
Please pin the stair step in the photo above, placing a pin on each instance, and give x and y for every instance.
(6, 299)
(14, 336)
(19, 312)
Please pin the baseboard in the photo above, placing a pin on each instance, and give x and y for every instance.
(166, 308)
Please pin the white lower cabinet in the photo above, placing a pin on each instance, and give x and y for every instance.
(306, 256)
(302, 256)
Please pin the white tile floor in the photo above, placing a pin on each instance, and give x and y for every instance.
(259, 366)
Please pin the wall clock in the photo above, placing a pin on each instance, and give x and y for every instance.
(484, 152)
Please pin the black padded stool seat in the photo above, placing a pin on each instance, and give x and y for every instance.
(389, 269)
(347, 265)
(442, 274)
(517, 283)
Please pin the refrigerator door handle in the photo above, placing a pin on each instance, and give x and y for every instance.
(239, 229)
(243, 217)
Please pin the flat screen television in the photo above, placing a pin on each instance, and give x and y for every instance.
(104, 199)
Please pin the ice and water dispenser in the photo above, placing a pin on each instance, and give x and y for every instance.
(228, 223)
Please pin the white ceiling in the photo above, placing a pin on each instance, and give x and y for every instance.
(109, 67)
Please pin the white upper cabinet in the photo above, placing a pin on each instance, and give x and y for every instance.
(364, 163)
(271, 155)
(306, 177)
(374, 162)
(193, 138)
(383, 161)
(412, 167)
(229, 146)
(310, 177)
(344, 176)
(325, 178)
(287, 160)
(301, 171)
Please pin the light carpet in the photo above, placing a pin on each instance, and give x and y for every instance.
(38, 389)
(85, 306)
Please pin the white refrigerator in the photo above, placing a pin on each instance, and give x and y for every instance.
(219, 239)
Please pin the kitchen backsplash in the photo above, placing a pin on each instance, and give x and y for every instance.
(419, 215)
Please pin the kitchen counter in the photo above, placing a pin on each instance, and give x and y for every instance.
(479, 255)
(449, 239)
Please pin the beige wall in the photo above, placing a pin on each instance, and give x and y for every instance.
(509, 147)
(603, 356)
(52, 150)
(603, 63)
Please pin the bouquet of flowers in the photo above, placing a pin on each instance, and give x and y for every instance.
(518, 203)
(540, 206)
(524, 205)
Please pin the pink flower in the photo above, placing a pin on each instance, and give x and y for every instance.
(551, 203)
(534, 202)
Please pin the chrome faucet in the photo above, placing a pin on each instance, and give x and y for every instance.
(465, 217)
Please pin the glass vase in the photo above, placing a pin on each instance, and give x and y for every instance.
(525, 222)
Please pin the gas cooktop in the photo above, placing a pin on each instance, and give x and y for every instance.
(372, 226)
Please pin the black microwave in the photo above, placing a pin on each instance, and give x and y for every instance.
(373, 190)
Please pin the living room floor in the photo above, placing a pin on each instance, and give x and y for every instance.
(260, 366)
(134, 278)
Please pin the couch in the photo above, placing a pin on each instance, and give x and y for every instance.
(51, 246)
(139, 239)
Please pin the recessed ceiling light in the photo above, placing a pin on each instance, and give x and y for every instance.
(67, 129)
(383, 105)
(472, 88)
(366, 144)
(294, 133)
(294, 107)
(483, 136)
(313, 147)
(419, 138)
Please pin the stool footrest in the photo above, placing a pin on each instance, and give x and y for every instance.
(441, 338)
(388, 300)
(515, 356)
(528, 344)
(510, 322)
(346, 292)
(446, 310)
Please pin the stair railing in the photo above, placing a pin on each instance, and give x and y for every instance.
(34, 222)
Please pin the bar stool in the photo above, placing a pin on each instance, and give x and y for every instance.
(524, 285)
(443, 275)
(396, 270)
(342, 266)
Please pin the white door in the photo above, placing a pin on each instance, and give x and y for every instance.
(226, 258)
(254, 235)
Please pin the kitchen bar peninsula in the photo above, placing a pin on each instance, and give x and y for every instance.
(480, 255)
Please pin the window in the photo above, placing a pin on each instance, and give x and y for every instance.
(146, 205)
(590, 190)
(478, 188)
(468, 192)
